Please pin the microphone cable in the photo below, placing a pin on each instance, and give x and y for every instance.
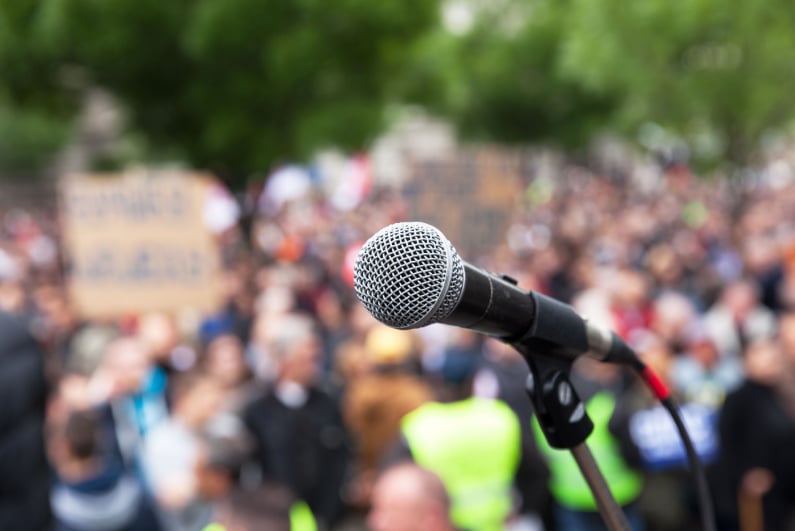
(663, 394)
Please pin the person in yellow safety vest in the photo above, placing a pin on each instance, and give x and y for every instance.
(575, 507)
(472, 444)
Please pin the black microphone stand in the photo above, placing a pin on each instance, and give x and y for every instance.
(566, 425)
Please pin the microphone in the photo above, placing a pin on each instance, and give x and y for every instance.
(408, 275)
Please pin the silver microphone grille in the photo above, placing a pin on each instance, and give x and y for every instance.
(408, 275)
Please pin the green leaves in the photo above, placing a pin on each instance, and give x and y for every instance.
(688, 65)
(238, 85)
(232, 84)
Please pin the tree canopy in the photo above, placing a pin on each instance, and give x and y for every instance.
(717, 75)
(237, 86)
(232, 85)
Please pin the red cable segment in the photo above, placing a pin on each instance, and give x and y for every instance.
(655, 383)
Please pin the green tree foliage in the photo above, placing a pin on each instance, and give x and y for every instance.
(717, 75)
(29, 138)
(36, 99)
(502, 81)
(703, 69)
(237, 85)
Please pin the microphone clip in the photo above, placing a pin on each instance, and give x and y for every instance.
(560, 412)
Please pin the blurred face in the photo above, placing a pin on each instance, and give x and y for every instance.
(160, 333)
(352, 362)
(225, 360)
(128, 364)
(201, 403)
(632, 288)
(302, 364)
(740, 299)
(764, 362)
(12, 297)
(705, 352)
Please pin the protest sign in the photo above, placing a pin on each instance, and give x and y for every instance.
(469, 196)
(137, 242)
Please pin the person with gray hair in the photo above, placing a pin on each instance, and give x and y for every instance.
(300, 438)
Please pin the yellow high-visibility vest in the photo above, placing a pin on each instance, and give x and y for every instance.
(474, 446)
(567, 484)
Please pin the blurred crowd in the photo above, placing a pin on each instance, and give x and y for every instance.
(292, 408)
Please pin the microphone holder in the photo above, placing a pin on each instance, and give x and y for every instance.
(566, 425)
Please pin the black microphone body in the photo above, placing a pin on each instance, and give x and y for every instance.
(495, 306)
(408, 275)
(492, 305)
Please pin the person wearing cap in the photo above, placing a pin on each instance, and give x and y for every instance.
(473, 444)
(376, 402)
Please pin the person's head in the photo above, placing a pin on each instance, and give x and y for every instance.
(740, 297)
(295, 349)
(88, 346)
(454, 377)
(665, 264)
(351, 361)
(160, 333)
(55, 308)
(701, 347)
(764, 361)
(673, 314)
(387, 347)
(631, 288)
(127, 362)
(252, 509)
(196, 398)
(12, 296)
(225, 360)
(407, 497)
(81, 435)
(226, 449)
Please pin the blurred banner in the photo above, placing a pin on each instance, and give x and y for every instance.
(469, 196)
(137, 242)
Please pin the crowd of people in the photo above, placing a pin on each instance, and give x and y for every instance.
(292, 408)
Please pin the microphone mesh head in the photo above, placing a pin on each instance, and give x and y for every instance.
(408, 275)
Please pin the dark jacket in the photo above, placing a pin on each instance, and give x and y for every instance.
(24, 471)
(304, 448)
(756, 431)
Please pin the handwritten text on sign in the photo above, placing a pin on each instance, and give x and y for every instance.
(137, 243)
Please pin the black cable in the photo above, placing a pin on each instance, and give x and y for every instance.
(702, 489)
(660, 390)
